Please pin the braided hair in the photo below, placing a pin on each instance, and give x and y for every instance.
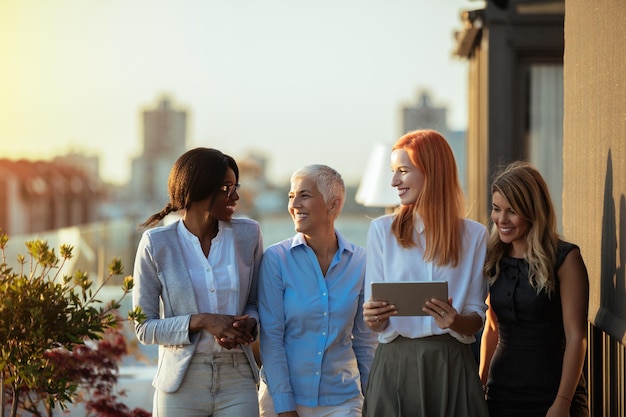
(196, 175)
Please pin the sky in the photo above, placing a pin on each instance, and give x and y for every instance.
(297, 81)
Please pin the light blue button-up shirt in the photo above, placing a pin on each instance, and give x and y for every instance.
(315, 347)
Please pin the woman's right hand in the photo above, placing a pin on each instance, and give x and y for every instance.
(376, 314)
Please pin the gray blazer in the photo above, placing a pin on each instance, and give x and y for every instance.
(164, 292)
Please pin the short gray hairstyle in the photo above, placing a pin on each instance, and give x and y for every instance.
(327, 180)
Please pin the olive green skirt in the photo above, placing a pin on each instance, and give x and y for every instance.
(433, 376)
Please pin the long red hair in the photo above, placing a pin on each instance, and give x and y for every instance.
(440, 203)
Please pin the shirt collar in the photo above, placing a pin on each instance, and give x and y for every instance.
(190, 237)
(343, 243)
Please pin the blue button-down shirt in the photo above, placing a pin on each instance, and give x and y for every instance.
(315, 347)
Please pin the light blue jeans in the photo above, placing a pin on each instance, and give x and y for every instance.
(215, 385)
(350, 408)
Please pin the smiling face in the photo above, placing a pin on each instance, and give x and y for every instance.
(407, 178)
(512, 228)
(307, 207)
(223, 206)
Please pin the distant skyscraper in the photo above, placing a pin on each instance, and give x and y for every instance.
(164, 130)
(424, 115)
(164, 140)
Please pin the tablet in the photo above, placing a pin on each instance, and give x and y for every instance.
(409, 296)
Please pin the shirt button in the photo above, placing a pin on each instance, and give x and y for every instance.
(324, 294)
(323, 333)
(325, 313)
(319, 353)
(212, 289)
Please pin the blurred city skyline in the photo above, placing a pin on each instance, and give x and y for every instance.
(300, 82)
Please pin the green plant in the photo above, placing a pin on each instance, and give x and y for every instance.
(43, 310)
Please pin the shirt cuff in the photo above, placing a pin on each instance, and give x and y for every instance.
(284, 402)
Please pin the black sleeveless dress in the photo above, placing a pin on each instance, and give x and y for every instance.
(526, 366)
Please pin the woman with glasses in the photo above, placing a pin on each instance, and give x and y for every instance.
(315, 348)
(196, 281)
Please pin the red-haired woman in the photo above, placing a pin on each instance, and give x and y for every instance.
(424, 365)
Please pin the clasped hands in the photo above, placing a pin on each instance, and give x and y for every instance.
(228, 331)
(240, 332)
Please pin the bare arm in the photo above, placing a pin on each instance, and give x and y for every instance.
(574, 283)
(488, 342)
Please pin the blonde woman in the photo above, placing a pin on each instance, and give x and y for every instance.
(535, 339)
(424, 365)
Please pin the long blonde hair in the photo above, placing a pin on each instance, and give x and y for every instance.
(527, 193)
(440, 203)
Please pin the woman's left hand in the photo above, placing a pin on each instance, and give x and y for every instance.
(444, 314)
(560, 408)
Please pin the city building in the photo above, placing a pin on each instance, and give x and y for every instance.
(164, 140)
(38, 196)
(424, 114)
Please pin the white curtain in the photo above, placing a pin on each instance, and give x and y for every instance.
(546, 128)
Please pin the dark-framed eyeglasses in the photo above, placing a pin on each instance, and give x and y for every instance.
(230, 189)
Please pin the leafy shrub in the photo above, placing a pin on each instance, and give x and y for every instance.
(45, 315)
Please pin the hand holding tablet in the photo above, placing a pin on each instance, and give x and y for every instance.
(409, 297)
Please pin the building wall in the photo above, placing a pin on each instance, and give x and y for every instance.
(594, 173)
(595, 147)
(478, 136)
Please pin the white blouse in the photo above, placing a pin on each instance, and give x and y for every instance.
(215, 278)
(388, 261)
